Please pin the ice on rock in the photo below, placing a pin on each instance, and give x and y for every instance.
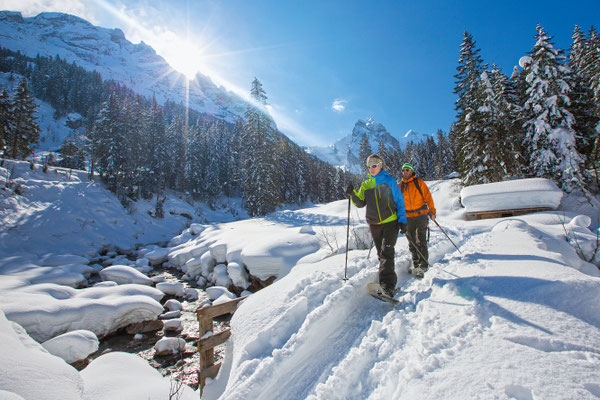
(73, 346)
(123, 274)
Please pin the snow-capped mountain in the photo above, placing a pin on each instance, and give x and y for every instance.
(344, 152)
(115, 58)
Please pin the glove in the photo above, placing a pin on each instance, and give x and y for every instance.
(350, 189)
(402, 227)
(431, 215)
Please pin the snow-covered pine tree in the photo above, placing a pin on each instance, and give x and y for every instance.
(470, 67)
(261, 175)
(430, 150)
(234, 166)
(388, 157)
(4, 118)
(508, 123)
(549, 135)
(582, 98)
(156, 156)
(197, 161)
(176, 150)
(364, 151)
(443, 159)
(23, 131)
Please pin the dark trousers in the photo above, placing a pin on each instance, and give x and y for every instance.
(385, 236)
(416, 233)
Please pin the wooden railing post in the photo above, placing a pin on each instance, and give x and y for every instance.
(208, 368)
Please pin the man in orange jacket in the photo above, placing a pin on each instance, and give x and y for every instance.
(419, 206)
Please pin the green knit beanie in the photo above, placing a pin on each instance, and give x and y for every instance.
(408, 166)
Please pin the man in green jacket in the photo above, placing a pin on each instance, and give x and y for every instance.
(386, 215)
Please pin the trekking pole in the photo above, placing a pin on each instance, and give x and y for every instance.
(419, 252)
(347, 240)
(438, 225)
(370, 248)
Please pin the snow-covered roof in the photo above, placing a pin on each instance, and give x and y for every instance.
(511, 195)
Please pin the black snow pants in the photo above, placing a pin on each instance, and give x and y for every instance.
(416, 233)
(385, 236)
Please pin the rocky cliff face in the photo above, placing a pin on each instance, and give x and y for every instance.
(109, 53)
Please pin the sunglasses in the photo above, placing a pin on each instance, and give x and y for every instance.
(373, 166)
(406, 170)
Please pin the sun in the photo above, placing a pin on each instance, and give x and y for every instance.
(185, 57)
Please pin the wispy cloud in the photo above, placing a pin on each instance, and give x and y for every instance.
(339, 105)
(30, 8)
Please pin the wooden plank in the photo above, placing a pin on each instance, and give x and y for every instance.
(209, 372)
(219, 309)
(505, 213)
(207, 356)
(214, 340)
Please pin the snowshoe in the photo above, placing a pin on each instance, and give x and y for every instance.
(376, 291)
(418, 272)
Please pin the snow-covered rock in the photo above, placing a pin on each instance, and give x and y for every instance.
(219, 252)
(173, 325)
(173, 304)
(509, 195)
(220, 276)
(48, 310)
(171, 288)
(72, 346)
(238, 274)
(123, 274)
(158, 256)
(214, 292)
(169, 345)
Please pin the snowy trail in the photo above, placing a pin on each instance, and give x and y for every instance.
(345, 326)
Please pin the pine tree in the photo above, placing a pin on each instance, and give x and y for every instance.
(23, 131)
(156, 155)
(470, 68)
(5, 116)
(106, 138)
(261, 178)
(549, 134)
(582, 99)
(364, 151)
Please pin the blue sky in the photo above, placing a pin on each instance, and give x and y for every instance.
(326, 64)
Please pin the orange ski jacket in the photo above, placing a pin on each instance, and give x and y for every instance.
(416, 202)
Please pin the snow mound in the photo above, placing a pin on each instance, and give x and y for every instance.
(30, 372)
(126, 376)
(49, 310)
(72, 346)
(123, 274)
